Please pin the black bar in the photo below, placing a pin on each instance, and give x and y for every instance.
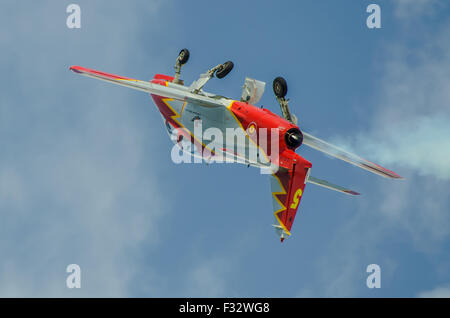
(221, 307)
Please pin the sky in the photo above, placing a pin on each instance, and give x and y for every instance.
(86, 176)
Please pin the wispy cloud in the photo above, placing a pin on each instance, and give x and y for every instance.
(438, 292)
(72, 184)
(411, 133)
(410, 129)
(411, 9)
(208, 278)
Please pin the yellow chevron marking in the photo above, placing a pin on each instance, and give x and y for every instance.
(175, 118)
(283, 208)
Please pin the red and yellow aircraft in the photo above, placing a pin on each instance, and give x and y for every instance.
(183, 106)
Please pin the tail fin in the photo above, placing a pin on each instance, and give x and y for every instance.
(287, 186)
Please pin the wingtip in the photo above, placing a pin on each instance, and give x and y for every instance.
(386, 172)
(393, 175)
(75, 68)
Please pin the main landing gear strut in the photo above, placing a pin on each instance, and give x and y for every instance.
(220, 71)
(280, 90)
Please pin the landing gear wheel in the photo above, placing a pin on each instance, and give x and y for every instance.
(224, 69)
(183, 56)
(280, 87)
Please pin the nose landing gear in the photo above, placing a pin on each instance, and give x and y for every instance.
(280, 87)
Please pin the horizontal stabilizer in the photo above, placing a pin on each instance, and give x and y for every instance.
(328, 185)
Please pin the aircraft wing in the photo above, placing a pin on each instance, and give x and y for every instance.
(169, 91)
(336, 152)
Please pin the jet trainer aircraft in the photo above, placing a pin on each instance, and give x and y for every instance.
(182, 106)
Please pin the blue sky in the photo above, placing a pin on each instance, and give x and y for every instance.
(86, 175)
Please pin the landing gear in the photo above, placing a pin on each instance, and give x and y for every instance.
(182, 59)
(280, 87)
(280, 90)
(224, 69)
(183, 56)
(220, 71)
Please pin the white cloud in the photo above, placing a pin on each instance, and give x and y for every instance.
(438, 292)
(207, 279)
(72, 184)
(410, 134)
(410, 9)
(410, 129)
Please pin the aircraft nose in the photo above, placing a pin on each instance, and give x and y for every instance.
(293, 138)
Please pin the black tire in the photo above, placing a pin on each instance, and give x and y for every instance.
(225, 69)
(280, 87)
(184, 56)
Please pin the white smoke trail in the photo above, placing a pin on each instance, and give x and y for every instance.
(412, 126)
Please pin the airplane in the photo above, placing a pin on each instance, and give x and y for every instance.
(182, 107)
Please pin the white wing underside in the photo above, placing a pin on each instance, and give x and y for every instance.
(174, 91)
